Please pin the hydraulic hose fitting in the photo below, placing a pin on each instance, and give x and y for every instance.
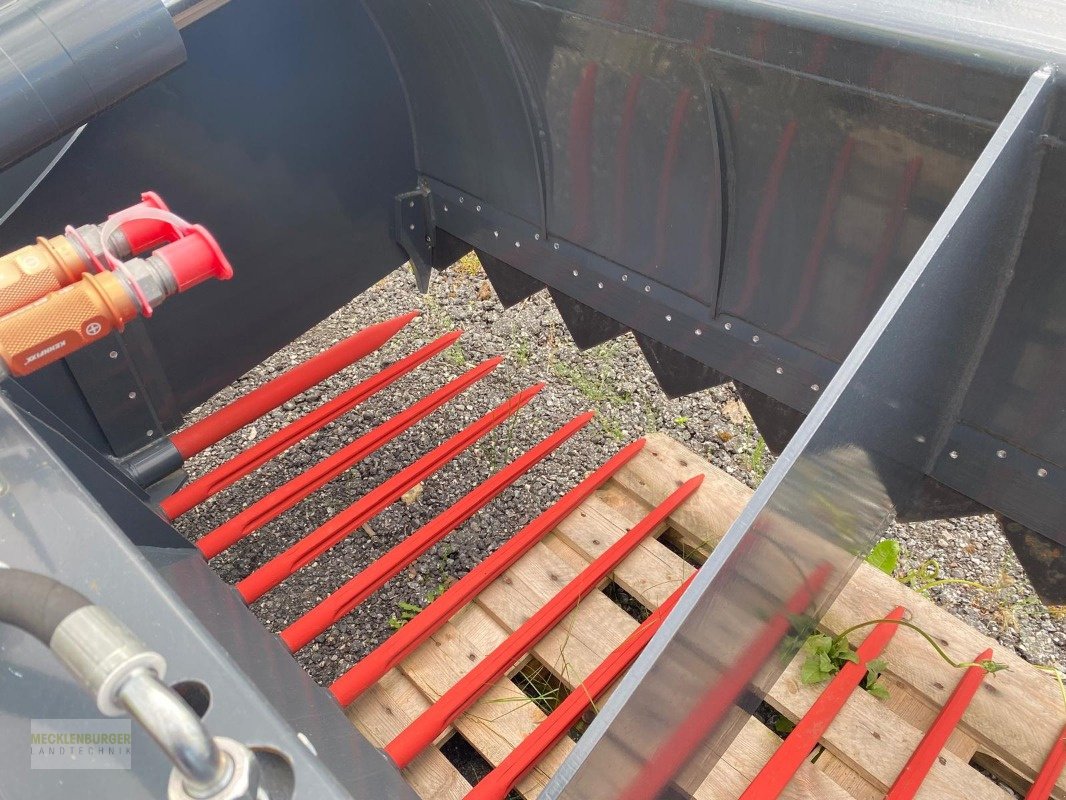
(66, 320)
(31, 272)
(125, 677)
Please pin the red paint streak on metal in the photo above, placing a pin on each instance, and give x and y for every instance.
(821, 235)
(674, 753)
(758, 39)
(254, 457)
(770, 193)
(1050, 772)
(772, 188)
(621, 157)
(625, 127)
(255, 404)
(779, 770)
(308, 482)
(374, 502)
(364, 674)
(889, 243)
(921, 761)
(341, 602)
(582, 112)
(662, 16)
(435, 720)
(498, 783)
(666, 179)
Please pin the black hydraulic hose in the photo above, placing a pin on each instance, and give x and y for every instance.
(36, 603)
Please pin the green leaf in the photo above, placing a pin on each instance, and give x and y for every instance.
(784, 725)
(842, 651)
(409, 607)
(811, 672)
(877, 666)
(818, 643)
(826, 663)
(885, 556)
(878, 690)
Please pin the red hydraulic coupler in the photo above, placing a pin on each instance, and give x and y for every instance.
(31, 272)
(71, 318)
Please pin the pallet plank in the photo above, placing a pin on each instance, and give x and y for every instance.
(1013, 720)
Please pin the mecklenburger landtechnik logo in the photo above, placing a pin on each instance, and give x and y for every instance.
(80, 743)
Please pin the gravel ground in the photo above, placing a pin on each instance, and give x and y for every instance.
(612, 379)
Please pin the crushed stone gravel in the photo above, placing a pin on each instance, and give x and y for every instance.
(612, 379)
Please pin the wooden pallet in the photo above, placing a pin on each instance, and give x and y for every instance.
(1007, 730)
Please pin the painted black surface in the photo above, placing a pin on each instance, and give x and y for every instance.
(744, 184)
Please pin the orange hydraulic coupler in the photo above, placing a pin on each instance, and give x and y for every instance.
(31, 272)
(66, 320)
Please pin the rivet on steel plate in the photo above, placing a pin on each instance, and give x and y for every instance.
(462, 199)
(625, 278)
(699, 331)
(919, 439)
(728, 326)
(647, 288)
(575, 273)
(517, 244)
(113, 354)
(556, 245)
(479, 208)
(669, 318)
(780, 371)
(496, 234)
(536, 237)
(815, 387)
(149, 432)
(954, 454)
(1041, 473)
(755, 339)
(133, 395)
(1001, 454)
(599, 285)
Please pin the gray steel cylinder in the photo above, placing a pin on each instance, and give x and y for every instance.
(63, 61)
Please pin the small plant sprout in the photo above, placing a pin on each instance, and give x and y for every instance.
(885, 556)
(827, 654)
(758, 459)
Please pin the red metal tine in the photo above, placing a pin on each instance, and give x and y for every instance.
(921, 761)
(398, 646)
(374, 502)
(254, 457)
(436, 719)
(778, 771)
(708, 711)
(255, 404)
(289, 494)
(498, 783)
(1050, 772)
(341, 602)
